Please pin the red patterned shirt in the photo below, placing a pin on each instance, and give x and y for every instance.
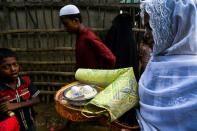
(24, 91)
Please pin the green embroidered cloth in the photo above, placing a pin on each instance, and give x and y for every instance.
(120, 92)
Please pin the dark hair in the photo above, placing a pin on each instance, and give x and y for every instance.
(5, 52)
(73, 16)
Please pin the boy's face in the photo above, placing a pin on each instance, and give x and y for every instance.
(9, 68)
(71, 25)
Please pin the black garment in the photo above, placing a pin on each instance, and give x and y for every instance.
(120, 41)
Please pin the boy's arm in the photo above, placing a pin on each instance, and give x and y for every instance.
(32, 101)
(103, 51)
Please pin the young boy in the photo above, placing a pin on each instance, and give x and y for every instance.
(18, 91)
(90, 52)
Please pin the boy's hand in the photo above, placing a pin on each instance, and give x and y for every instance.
(3, 104)
(6, 106)
(13, 106)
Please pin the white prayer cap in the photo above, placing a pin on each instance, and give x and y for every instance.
(69, 10)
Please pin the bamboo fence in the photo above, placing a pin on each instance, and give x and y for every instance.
(33, 29)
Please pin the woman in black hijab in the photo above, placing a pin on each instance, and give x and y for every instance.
(120, 41)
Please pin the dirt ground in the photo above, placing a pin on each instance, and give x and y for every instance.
(47, 119)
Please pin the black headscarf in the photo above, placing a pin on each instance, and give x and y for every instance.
(120, 41)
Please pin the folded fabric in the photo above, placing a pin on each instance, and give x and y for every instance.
(119, 95)
(98, 77)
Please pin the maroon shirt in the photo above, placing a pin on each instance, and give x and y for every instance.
(91, 52)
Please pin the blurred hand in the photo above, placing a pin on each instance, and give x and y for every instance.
(3, 104)
(12, 106)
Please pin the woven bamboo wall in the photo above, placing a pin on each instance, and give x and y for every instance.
(32, 28)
